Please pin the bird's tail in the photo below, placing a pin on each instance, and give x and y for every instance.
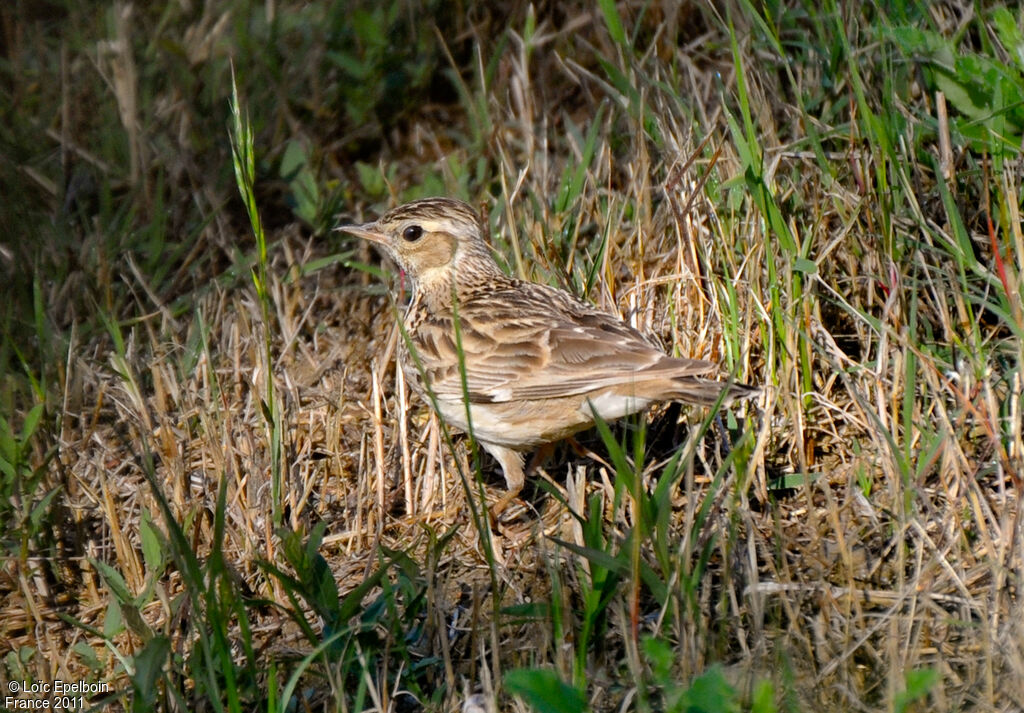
(707, 392)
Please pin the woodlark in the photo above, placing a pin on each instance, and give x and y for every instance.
(538, 362)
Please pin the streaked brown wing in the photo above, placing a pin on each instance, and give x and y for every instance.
(528, 341)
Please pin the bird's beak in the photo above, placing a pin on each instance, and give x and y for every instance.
(369, 231)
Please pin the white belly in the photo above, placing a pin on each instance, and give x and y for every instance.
(528, 424)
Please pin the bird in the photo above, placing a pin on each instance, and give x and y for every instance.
(518, 364)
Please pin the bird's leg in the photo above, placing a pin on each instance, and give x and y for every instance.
(583, 452)
(512, 466)
(538, 457)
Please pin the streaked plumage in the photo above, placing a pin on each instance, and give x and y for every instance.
(538, 361)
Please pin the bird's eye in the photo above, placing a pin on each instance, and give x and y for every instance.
(412, 233)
